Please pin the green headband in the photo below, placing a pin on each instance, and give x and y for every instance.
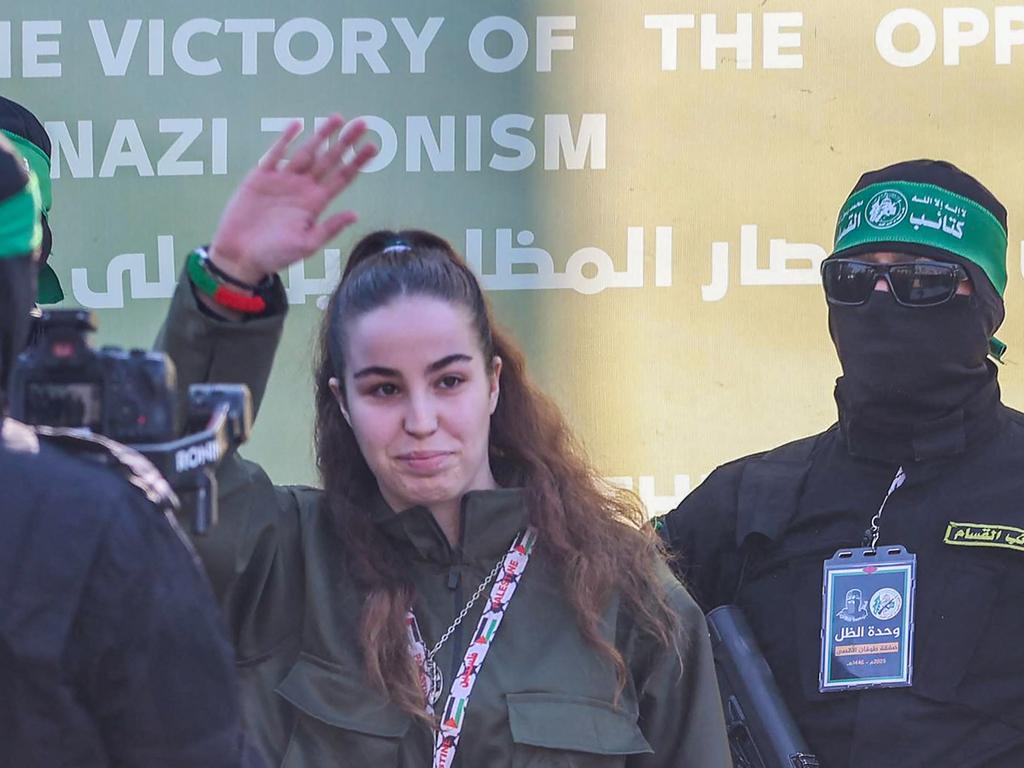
(20, 230)
(928, 215)
(38, 163)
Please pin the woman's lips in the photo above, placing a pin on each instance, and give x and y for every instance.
(425, 462)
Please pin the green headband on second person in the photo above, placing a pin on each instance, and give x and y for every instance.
(928, 215)
(20, 229)
(38, 163)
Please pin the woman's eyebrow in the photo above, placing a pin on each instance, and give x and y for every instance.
(380, 370)
(374, 370)
(444, 362)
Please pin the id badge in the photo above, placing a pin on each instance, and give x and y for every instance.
(867, 626)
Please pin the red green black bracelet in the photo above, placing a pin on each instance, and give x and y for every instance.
(209, 283)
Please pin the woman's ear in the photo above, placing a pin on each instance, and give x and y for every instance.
(339, 396)
(495, 382)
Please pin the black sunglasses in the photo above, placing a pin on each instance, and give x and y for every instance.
(913, 283)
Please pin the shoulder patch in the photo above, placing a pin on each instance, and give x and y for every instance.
(984, 535)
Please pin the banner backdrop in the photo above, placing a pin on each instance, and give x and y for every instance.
(646, 187)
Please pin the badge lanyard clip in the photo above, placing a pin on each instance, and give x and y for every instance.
(867, 623)
(873, 532)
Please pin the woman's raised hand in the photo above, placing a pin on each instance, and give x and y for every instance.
(276, 216)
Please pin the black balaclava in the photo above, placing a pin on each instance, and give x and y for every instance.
(906, 368)
(20, 237)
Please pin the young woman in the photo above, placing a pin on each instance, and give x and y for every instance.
(464, 590)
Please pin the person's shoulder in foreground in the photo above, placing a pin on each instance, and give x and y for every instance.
(112, 650)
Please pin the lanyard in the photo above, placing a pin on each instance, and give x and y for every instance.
(449, 731)
(872, 533)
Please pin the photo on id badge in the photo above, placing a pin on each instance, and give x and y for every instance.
(867, 619)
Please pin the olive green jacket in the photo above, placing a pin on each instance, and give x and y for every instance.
(543, 697)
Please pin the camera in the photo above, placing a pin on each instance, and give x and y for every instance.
(60, 381)
(65, 388)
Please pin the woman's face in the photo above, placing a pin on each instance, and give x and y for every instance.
(419, 398)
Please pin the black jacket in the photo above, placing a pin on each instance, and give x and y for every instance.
(112, 651)
(758, 530)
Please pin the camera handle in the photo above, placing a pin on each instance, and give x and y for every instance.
(204, 516)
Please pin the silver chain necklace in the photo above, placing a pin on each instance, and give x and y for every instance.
(429, 665)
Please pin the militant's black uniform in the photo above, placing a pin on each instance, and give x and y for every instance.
(778, 516)
(914, 289)
(112, 651)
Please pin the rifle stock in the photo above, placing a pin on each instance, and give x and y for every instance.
(762, 732)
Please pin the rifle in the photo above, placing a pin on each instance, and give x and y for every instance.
(762, 732)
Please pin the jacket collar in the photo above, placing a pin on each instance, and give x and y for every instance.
(951, 434)
(490, 521)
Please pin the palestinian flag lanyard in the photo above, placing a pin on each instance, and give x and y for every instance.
(511, 569)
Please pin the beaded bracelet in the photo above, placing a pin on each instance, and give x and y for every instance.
(215, 284)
